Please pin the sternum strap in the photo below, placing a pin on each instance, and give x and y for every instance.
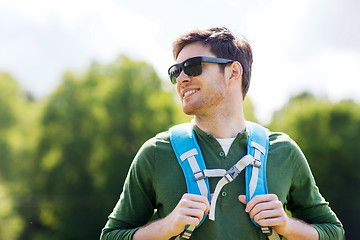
(229, 176)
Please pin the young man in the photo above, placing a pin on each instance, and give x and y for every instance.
(212, 76)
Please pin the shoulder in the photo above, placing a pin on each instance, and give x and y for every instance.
(279, 141)
(276, 138)
(160, 142)
(158, 139)
(284, 151)
(149, 158)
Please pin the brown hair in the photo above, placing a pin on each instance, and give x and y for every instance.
(224, 45)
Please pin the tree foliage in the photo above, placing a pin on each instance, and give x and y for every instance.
(91, 128)
(328, 133)
(18, 134)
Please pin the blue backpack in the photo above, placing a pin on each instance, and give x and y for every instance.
(189, 156)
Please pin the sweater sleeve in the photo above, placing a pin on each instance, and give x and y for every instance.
(306, 202)
(135, 206)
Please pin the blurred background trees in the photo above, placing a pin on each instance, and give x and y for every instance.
(329, 135)
(63, 159)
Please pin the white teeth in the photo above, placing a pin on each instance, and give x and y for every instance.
(189, 92)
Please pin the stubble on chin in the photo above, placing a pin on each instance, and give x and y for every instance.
(188, 110)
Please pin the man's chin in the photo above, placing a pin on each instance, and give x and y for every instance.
(189, 111)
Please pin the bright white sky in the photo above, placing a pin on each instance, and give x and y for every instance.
(298, 45)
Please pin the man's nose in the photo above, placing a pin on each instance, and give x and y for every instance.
(183, 77)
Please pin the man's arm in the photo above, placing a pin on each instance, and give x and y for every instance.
(189, 211)
(267, 210)
(298, 191)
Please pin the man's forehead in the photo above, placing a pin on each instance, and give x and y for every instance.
(196, 49)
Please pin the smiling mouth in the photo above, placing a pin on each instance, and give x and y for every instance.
(190, 92)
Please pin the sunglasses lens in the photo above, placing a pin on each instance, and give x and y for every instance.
(174, 72)
(193, 67)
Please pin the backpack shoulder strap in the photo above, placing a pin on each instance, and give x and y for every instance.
(255, 176)
(257, 146)
(190, 158)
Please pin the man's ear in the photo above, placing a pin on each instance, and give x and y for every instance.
(235, 72)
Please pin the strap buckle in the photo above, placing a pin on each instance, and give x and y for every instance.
(231, 174)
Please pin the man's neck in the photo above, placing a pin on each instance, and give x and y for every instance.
(221, 126)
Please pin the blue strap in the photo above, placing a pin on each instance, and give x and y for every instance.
(257, 134)
(183, 139)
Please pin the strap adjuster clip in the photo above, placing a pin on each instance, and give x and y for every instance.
(199, 175)
(266, 230)
(256, 163)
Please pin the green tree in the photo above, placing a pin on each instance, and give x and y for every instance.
(249, 110)
(328, 133)
(17, 134)
(92, 127)
(8, 91)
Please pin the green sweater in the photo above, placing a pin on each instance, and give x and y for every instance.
(156, 181)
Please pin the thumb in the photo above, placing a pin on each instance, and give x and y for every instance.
(242, 198)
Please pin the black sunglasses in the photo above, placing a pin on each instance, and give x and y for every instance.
(193, 66)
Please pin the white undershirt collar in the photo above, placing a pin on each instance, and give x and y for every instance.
(225, 144)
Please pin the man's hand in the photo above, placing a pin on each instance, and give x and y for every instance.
(189, 211)
(267, 210)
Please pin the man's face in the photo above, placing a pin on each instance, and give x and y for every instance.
(204, 93)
